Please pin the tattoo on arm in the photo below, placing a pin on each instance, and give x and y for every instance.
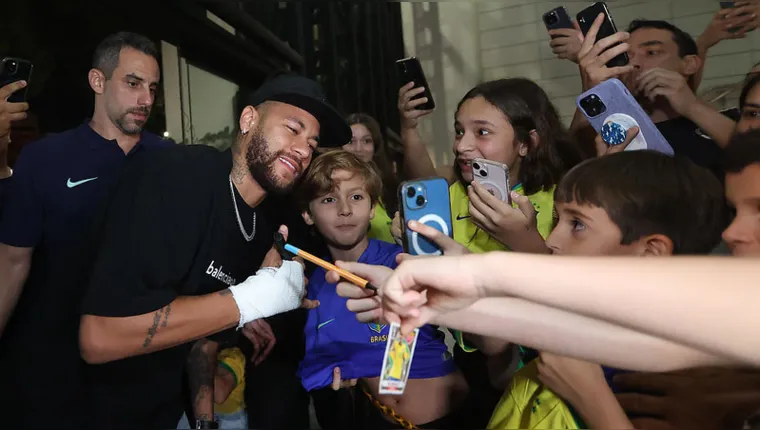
(201, 366)
(163, 312)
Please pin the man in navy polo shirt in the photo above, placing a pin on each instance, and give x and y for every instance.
(57, 185)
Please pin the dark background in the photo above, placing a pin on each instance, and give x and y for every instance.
(349, 48)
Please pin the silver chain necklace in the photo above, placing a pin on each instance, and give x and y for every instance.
(246, 236)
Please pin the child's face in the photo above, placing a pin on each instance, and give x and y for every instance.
(588, 230)
(743, 193)
(362, 145)
(483, 131)
(342, 216)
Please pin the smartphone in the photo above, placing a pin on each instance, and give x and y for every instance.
(586, 19)
(612, 110)
(731, 5)
(410, 70)
(12, 70)
(493, 176)
(425, 201)
(557, 18)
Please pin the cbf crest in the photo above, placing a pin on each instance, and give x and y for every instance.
(377, 328)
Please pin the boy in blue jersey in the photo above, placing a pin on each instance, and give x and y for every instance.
(337, 196)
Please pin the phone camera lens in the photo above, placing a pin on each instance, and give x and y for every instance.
(476, 166)
(12, 67)
(410, 192)
(483, 173)
(593, 106)
(420, 201)
(552, 19)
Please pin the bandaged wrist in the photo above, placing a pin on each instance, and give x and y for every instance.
(269, 292)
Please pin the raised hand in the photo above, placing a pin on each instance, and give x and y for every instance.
(407, 108)
(516, 228)
(603, 148)
(566, 43)
(594, 56)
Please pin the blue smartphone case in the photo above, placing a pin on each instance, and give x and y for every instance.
(622, 112)
(428, 203)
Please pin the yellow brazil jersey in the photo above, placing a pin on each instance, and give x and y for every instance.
(233, 360)
(380, 226)
(398, 356)
(528, 404)
(478, 241)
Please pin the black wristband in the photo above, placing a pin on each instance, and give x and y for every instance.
(205, 424)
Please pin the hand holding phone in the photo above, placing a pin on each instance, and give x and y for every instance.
(612, 112)
(596, 55)
(410, 70)
(566, 38)
(588, 17)
(14, 70)
(408, 106)
(493, 176)
(10, 112)
(739, 18)
(427, 202)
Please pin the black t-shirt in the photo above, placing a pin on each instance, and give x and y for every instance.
(170, 230)
(688, 140)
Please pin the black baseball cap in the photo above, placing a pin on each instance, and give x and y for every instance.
(306, 94)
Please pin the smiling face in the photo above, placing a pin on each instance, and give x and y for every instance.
(343, 215)
(280, 144)
(483, 131)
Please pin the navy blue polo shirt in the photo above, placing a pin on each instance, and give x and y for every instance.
(58, 184)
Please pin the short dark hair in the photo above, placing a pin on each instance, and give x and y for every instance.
(742, 151)
(527, 107)
(318, 180)
(646, 192)
(106, 56)
(686, 43)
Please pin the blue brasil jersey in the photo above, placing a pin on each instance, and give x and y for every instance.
(335, 338)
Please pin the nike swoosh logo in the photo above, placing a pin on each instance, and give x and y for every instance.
(460, 217)
(325, 323)
(71, 184)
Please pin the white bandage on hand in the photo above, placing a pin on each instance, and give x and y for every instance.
(270, 291)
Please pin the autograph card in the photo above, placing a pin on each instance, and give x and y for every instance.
(397, 361)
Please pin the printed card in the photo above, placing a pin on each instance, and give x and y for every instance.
(397, 361)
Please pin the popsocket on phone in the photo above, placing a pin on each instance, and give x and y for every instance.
(616, 126)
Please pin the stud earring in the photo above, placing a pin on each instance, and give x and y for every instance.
(244, 132)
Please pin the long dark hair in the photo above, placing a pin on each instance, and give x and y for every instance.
(381, 160)
(527, 108)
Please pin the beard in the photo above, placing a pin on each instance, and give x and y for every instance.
(261, 165)
(131, 127)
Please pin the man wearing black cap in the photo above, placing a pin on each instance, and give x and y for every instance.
(179, 248)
